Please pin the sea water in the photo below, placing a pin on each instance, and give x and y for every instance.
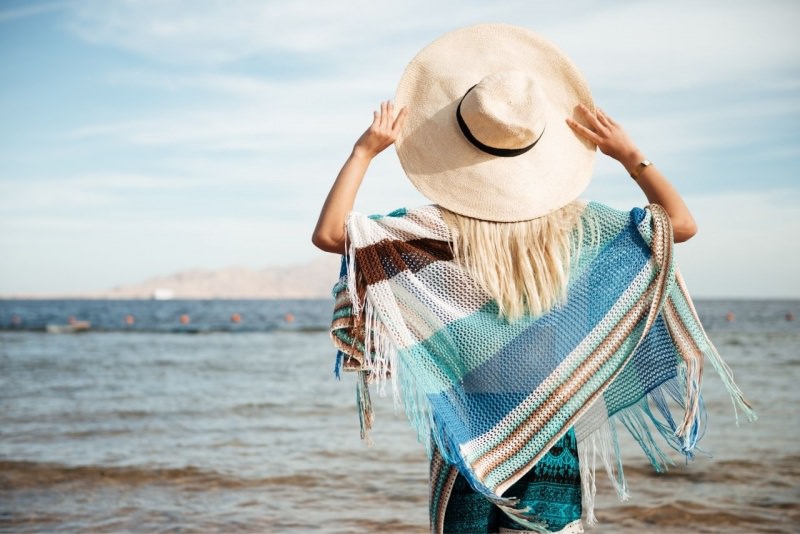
(213, 425)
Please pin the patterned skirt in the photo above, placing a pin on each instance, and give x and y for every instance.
(552, 491)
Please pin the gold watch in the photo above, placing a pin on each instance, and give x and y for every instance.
(640, 169)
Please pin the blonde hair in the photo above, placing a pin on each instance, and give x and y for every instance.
(524, 266)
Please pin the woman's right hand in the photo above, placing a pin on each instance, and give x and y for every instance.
(382, 132)
(329, 234)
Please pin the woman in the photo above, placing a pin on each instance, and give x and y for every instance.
(518, 324)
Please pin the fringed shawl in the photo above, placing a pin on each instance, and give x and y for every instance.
(492, 396)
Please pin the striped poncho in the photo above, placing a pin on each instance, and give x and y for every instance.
(490, 397)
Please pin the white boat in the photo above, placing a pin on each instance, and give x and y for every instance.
(162, 293)
(73, 327)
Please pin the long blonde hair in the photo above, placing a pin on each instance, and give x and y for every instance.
(524, 266)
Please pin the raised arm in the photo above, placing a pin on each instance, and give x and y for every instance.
(329, 234)
(613, 141)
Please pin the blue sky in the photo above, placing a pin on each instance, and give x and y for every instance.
(143, 138)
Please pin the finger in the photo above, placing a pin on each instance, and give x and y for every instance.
(603, 118)
(385, 113)
(591, 116)
(604, 115)
(607, 121)
(376, 119)
(400, 120)
(389, 114)
(583, 131)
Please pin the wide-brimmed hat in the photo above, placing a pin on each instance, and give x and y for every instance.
(486, 135)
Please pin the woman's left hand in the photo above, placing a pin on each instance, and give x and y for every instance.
(609, 136)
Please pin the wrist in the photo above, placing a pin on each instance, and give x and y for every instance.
(631, 160)
(362, 153)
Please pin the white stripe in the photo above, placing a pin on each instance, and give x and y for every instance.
(420, 223)
(438, 303)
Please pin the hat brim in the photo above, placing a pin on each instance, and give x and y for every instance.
(445, 167)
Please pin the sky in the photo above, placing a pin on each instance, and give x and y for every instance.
(141, 138)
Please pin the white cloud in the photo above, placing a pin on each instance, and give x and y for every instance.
(33, 196)
(648, 46)
(261, 115)
(31, 10)
(658, 46)
(230, 84)
(86, 191)
(218, 31)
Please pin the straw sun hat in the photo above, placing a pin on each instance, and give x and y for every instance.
(486, 135)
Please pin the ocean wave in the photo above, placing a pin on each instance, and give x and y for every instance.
(18, 475)
(784, 470)
(682, 516)
(197, 330)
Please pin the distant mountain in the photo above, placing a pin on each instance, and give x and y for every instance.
(311, 280)
(307, 281)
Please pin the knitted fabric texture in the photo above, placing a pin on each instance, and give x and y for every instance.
(492, 396)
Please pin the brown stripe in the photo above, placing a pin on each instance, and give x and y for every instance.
(685, 292)
(678, 332)
(387, 258)
(352, 329)
(436, 466)
(688, 349)
(690, 353)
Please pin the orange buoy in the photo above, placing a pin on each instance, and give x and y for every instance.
(236, 318)
(130, 319)
(730, 317)
(289, 318)
(185, 319)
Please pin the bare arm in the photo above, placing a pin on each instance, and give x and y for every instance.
(329, 235)
(615, 142)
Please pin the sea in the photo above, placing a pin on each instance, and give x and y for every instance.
(225, 416)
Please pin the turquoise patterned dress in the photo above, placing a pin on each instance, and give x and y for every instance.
(552, 490)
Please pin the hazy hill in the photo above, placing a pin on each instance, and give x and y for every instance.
(311, 280)
(306, 281)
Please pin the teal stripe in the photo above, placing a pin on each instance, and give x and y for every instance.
(454, 351)
(342, 335)
(688, 319)
(343, 312)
